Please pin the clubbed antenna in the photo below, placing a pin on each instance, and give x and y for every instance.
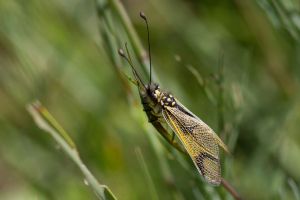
(128, 59)
(143, 16)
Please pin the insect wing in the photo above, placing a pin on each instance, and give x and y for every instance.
(199, 141)
(219, 141)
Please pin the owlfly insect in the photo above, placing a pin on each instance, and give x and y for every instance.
(199, 140)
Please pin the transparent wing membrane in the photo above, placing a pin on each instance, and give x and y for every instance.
(199, 141)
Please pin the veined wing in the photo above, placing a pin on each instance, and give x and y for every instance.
(199, 141)
(218, 139)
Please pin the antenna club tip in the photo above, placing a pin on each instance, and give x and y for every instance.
(142, 15)
(121, 52)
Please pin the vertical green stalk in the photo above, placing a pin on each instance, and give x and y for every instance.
(45, 121)
(147, 173)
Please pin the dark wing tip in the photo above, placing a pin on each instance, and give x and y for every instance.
(209, 167)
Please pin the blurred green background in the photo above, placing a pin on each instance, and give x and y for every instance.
(54, 51)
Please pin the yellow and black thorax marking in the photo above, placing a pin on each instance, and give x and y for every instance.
(164, 99)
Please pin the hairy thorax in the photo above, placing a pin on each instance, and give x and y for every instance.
(154, 100)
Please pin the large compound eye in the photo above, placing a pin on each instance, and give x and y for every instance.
(154, 94)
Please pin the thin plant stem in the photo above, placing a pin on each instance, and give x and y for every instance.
(202, 84)
(135, 41)
(274, 57)
(294, 188)
(230, 189)
(126, 22)
(149, 179)
(45, 121)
